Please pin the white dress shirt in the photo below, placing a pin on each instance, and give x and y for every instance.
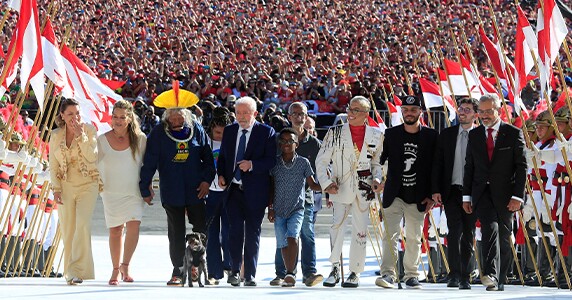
(238, 135)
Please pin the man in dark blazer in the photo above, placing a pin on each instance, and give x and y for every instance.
(493, 187)
(409, 150)
(247, 153)
(447, 182)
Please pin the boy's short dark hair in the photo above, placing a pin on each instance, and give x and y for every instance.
(288, 130)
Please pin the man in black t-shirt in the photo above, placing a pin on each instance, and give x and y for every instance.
(407, 191)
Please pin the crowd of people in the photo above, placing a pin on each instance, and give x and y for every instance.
(255, 67)
(280, 51)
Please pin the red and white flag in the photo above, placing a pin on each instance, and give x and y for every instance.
(96, 99)
(497, 59)
(395, 112)
(551, 30)
(26, 44)
(524, 61)
(433, 97)
(54, 62)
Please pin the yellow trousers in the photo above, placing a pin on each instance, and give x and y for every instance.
(75, 223)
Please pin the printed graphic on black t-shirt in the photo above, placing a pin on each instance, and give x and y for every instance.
(409, 175)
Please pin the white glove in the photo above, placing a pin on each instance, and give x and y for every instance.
(527, 212)
(33, 162)
(562, 143)
(559, 213)
(545, 216)
(3, 150)
(570, 211)
(531, 154)
(443, 229)
(431, 232)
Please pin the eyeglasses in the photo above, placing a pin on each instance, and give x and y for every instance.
(465, 110)
(286, 142)
(486, 111)
(355, 110)
(298, 114)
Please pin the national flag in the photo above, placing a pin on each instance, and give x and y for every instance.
(28, 34)
(95, 97)
(54, 62)
(25, 44)
(395, 113)
(551, 30)
(433, 98)
(524, 62)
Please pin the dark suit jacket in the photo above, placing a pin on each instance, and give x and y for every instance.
(393, 150)
(444, 161)
(505, 173)
(261, 150)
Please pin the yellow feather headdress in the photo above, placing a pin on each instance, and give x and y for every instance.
(176, 97)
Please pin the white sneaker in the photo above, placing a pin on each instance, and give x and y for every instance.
(385, 281)
(334, 277)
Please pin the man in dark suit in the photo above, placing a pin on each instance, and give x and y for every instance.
(447, 182)
(247, 153)
(409, 150)
(493, 187)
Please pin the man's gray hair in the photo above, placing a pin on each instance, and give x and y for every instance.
(494, 98)
(297, 104)
(362, 100)
(251, 103)
(187, 115)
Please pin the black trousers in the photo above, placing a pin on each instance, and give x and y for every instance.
(177, 230)
(244, 232)
(496, 227)
(461, 235)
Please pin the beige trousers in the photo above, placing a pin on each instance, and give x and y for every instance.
(359, 211)
(75, 223)
(413, 230)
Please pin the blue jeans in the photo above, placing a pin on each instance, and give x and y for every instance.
(308, 246)
(217, 236)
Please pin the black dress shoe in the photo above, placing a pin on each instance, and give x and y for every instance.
(464, 285)
(552, 283)
(234, 279)
(250, 282)
(498, 287)
(453, 282)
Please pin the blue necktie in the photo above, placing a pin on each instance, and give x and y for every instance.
(240, 153)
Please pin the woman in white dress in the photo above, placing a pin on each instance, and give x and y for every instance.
(120, 157)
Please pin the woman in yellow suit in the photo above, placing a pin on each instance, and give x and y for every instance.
(76, 184)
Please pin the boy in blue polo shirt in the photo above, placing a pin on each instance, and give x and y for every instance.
(290, 175)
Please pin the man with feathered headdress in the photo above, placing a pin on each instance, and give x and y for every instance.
(178, 148)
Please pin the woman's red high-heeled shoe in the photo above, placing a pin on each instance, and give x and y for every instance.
(113, 281)
(124, 273)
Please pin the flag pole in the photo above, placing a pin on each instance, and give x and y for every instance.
(497, 78)
(529, 247)
(458, 50)
(445, 109)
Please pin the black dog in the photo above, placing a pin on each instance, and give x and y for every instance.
(195, 257)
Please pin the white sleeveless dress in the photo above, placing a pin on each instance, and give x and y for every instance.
(122, 201)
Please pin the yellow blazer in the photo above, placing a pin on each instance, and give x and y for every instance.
(87, 156)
